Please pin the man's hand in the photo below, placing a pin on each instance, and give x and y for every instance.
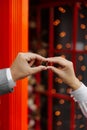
(22, 66)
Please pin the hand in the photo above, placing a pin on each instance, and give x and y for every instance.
(65, 71)
(22, 66)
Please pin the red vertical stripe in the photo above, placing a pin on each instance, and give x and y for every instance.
(75, 32)
(13, 38)
(38, 76)
(74, 40)
(18, 13)
(50, 74)
(4, 60)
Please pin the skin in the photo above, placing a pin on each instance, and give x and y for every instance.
(22, 65)
(65, 71)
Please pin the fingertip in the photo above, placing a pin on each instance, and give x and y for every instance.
(49, 67)
(43, 67)
(48, 59)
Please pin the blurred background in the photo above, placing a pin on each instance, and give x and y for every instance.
(56, 28)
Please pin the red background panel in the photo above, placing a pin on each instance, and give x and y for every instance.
(13, 39)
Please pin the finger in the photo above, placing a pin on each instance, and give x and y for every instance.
(33, 56)
(59, 60)
(31, 62)
(41, 58)
(37, 69)
(54, 69)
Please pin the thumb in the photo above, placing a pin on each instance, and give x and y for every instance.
(54, 69)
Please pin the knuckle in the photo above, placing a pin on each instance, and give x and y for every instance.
(70, 63)
(20, 54)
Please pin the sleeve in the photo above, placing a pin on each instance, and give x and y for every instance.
(4, 82)
(80, 95)
(9, 77)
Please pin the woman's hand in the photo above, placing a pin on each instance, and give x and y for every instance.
(65, 71)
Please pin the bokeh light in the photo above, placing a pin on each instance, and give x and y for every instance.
(68, 45)
(83, 67)
(62, 10)
(62, 34)
(83, 26)
(57, 113)
(81, 126)
(59, 46)
(61, 101)
(82, 16)
(56, 22)
(59, 80)
(59, 123)
(80, 58)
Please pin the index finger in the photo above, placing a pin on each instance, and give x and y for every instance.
(39, 57)
(58, 60)
(32, 56)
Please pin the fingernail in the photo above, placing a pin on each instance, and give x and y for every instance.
(45, 68)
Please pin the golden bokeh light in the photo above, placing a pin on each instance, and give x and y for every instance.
(83, 26)
(82, 16)
(81, 126)
(85, 47)
(61, 101)
(62, 10)
(68, 45)
(59, 123)
(57, 113)
(63, 56)
(56, 22)
(59, 80)
(83, 67)
(59, 46)
(62, 34)
(80, 58)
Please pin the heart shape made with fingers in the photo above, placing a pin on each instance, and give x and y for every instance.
(45, 63)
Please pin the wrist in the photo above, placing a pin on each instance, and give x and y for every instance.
(76, 84)
(13, 74)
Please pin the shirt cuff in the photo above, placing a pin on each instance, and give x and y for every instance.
(80, 94)
(9, 77)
